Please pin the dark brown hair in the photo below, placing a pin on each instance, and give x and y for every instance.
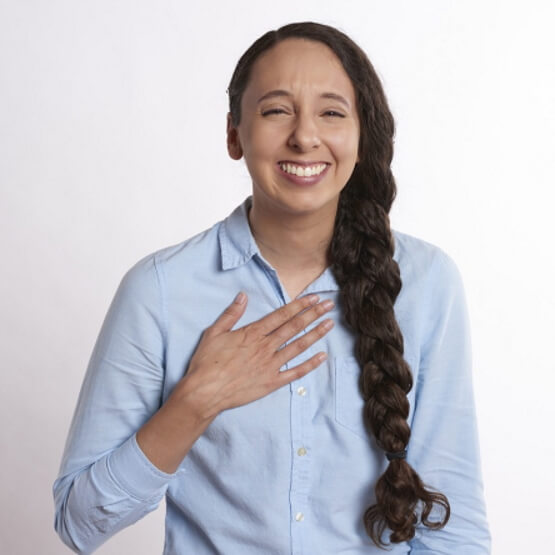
(361, 258)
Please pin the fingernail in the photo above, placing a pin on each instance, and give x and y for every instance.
(328, 324)
(313, 298)
(240, 298)
(327, 304)
(322, 357)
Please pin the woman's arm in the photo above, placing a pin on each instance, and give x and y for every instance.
(124, 445)
(444, 441)
(105, 481)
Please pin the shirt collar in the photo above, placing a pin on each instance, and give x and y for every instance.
(237, 244)
(237, 247)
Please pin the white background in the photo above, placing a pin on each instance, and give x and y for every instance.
(112, 118)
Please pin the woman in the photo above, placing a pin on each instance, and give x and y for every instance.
(268, 428)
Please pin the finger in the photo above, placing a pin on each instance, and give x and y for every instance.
(301, 344)
(278, 317)
(230, 315)
(300, 322)
(297, 372)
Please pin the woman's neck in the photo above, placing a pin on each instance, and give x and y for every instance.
(293, 243)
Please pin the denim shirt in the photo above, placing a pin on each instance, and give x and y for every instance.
(292, 472)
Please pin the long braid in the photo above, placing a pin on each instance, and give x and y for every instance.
(361, 257)
(369, 280)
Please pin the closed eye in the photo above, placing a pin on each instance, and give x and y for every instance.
(273, 111)
(333, 113)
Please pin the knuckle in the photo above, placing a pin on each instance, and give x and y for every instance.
(230, 311)
(303, 343)
(314, 313)
(322, 309)
(261, 352)
(252, 331)
(303, 322)
(289, 312)
(247, 339)
(289, 376)
(298, 325)
(301, 304)
(251, 334)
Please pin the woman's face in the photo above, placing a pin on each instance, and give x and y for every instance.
(299, 129)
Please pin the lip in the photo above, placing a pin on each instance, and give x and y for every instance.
(303, 181)
(304, 163)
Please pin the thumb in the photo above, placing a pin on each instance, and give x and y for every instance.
(231, 314)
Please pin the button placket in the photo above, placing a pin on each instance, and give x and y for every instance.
(301, 440)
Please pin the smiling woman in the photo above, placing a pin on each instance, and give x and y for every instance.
(299, 132)
(287, 421)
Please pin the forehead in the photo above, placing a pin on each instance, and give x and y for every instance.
(299, 65)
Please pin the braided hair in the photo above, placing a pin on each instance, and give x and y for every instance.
(360, 255)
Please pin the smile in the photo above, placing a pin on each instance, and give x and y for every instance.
(302, 171)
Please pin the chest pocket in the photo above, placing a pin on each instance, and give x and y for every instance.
(348, 400)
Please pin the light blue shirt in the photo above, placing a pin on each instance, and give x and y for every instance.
(294, 471)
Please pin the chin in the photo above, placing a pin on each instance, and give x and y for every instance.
(308, 203)
(296, 200)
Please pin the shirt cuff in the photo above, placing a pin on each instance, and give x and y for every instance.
(135, 474)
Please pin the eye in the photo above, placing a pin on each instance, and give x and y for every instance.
(273, 112)
(334, 113)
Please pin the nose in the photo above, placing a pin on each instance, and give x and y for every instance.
(305, 134)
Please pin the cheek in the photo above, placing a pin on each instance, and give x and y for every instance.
(258, 150)
(263, 139)
(345, 145)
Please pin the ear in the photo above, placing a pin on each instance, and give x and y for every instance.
(233, 144)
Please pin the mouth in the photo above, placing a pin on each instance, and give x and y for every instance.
(303, 169)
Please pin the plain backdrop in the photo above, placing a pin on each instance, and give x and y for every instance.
(112, 145)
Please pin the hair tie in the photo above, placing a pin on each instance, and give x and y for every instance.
(396, 455)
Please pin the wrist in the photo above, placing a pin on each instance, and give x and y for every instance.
(169, 434)
(198, 397)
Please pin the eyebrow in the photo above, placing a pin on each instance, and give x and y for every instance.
(281, 92)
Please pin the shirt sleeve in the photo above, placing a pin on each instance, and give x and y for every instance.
(106, 482)
(444, 445)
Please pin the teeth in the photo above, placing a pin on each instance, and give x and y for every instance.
(303, 171)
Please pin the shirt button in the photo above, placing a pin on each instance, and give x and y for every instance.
(301, 391)
(299, 517)
(301, 451)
